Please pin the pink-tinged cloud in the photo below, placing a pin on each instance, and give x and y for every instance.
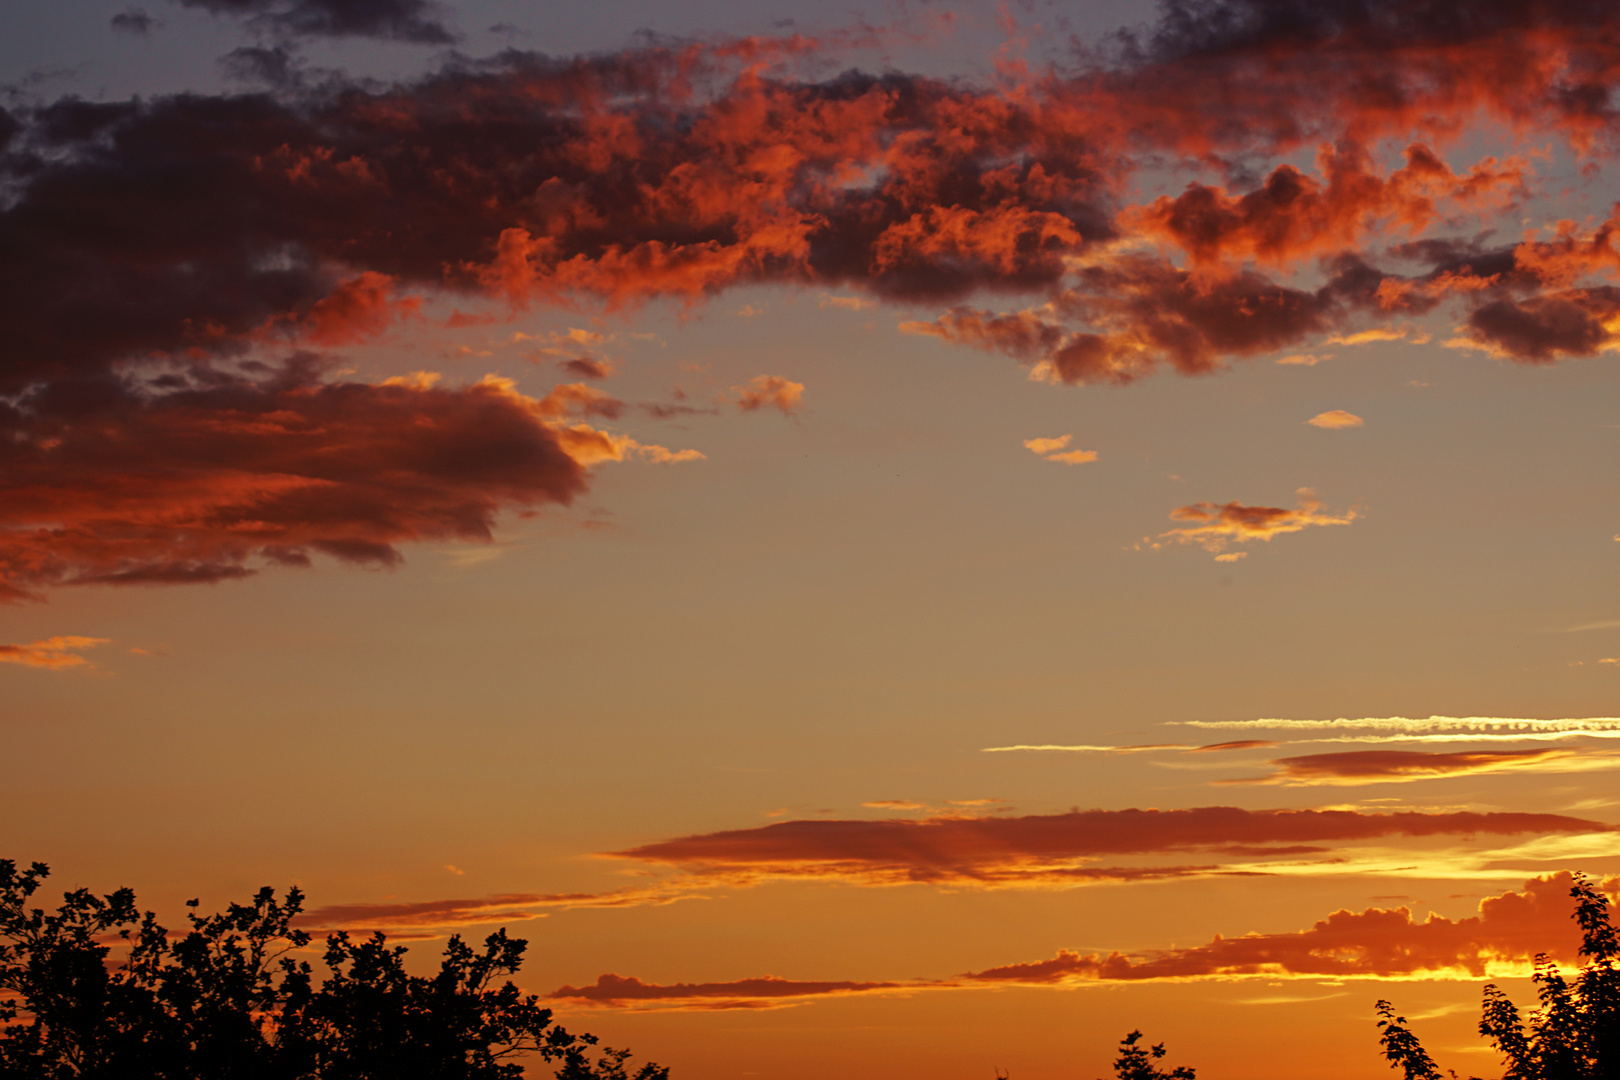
(1378, 943)
(1335, 419)
(1391, 766)
(769, 391)
(1217, 526)
(1236, 744)
(157, 250)
(55, 653)
(1056, 848)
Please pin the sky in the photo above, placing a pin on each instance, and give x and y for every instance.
(896, 539)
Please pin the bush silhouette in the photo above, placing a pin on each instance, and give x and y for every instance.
(230, 1000)
(1573, 1035)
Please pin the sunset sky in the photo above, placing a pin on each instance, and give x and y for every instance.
(892, 539)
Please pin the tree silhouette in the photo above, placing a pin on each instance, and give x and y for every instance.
(1573, 1035)
(1137, 1062)
(230, 1001)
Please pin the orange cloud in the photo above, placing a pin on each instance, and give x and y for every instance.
(1378, 943)
(355, 310)
(1502, 940)
(1334, 419)
(1387, 766)
(1218, 526)
(1293, 216)
(55, 653)
(193, 485)
(771, 391)
(1055, 849)
(1053, 450)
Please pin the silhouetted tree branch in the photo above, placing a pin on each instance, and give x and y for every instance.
(1574, 1035)
(229, 1001)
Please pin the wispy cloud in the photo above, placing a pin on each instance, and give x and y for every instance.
(1433, 729)
(55, 653)
(392, 917)
(1359, 767)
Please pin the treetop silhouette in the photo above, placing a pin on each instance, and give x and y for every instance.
(1573, 1035)
(230, 1000)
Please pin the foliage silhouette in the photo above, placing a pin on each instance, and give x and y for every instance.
(1137, 1062)
(1574, 1035)
(230, 1001)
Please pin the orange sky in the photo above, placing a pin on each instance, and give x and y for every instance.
(905, 545)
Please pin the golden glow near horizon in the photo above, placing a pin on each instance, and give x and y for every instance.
(615, 494)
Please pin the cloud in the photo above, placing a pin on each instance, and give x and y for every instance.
(1359, 767)
(1217, 526)
(1545, 328)
(1056, 849)
(1292, 216)
(1377, 943)
(1335, 419)
(105, 482)
(55, 653)
(1433, 729)
(133, 20)
(619, 990)
(414, 21)
(477, 911)
(586, 367)
(848, 303)
(1500, 941)
(769, 391)
(1053, 450)
(163, 254)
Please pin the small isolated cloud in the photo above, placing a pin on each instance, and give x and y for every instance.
(1054, 449)
(1304, 359)
(1359, 767)
(1367, 337)
(1335, 418)
(848, 303)
(134, 20)
(772, 391)
(1218, 526)
(585, 367)
(55, 653)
